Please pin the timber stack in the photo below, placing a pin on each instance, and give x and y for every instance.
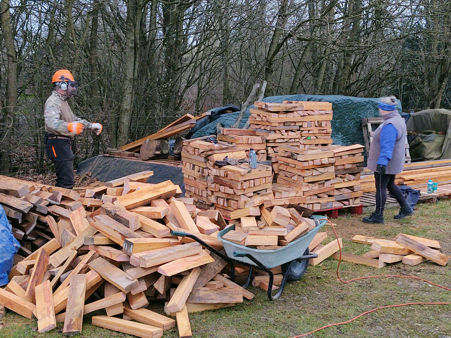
(302, 124)
(237, 190)
(245, 139)
(309, 173)
(198, 157)
(349, 163)
(116, 255)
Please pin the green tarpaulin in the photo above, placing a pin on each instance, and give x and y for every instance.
(346, 124)
(430, 135)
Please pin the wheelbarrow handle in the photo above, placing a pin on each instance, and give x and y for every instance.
(178, 233)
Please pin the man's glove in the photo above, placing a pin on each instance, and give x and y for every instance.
(381, 169)
(97, 128)
(75, 128)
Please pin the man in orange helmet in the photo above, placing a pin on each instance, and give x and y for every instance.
(61, 125)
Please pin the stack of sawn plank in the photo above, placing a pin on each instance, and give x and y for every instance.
(245, 139)
(122, 252)
(303, 124)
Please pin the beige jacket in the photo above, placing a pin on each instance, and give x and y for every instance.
(57, 114)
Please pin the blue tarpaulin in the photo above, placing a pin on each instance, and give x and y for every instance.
(9, 246)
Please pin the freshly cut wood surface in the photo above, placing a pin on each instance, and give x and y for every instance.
(224, 295)
(127, 326)
(422, 250)
(185, 263)
(17, 304)
(136, 245)
(149, 317)
(113, 274)
(181, 294)
(347, 257)
(39, 270)
(113, 309)
(73, 321)
(412, 259)
(45, 312)
(326, 251)
(156, 257)
(145, 195)
(183, 324)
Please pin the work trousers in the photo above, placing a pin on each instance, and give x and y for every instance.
(384, 182)
(60, 153)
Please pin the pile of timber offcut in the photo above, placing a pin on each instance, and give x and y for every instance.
(349, 163)
(238, 190)
(198, 157)
(302, 124)
(126, 253)
(310, 173)
(408, 249)
(245, 139)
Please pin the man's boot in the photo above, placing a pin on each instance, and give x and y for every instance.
(404, 212)
(374, 218)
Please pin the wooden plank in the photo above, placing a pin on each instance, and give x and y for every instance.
(183, 216)
(422, 250)
(389, 247)
(432, 243)
(224, 295)
(412, 259)
(53, 227)
(149, 317)
(63, 268)
(76, 270)
(60, 298)
(210, 270)
(114, 275)
(110, 253)
(390, 258)
(137, 301)
(15, 288)
(317, 239)
(227, 282)
(14, 188)
(183, 324)
(152, 227)
(78, 220)
(206, 226)
(17, 304)
(39, 270)
(127, 326)
(152, 212)
(73, 321)
(347, 257)
(181, 294)
(114, 225)
(185, 263)
(16, 203)
(45, 312)
(156, 257)
(254, 240)
(145, 195)
(123, 216)
(299, 230)
(326, 251)
(116, 309)
(136, 245)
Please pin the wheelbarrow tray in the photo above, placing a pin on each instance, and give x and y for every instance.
(271, 258)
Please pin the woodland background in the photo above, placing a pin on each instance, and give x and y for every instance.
(142, 63)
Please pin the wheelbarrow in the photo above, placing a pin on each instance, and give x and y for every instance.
(293, 257)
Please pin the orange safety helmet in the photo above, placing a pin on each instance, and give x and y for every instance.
(62, 75)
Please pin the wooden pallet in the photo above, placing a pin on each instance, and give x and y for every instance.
(335, 212)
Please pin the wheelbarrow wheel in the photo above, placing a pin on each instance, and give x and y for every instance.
(296, 268)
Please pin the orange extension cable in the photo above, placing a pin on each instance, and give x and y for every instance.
(369, 277)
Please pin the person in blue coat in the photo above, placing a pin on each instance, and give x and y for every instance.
(386, 159)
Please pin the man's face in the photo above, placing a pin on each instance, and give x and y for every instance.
(72, 88)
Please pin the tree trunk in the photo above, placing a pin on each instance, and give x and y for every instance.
(11, 84)
(126, 106)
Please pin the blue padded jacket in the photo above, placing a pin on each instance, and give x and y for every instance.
(388, 137)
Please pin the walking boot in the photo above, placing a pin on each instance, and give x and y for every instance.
(404, 212)
(374, 218)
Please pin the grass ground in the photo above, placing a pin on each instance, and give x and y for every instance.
(319, 299)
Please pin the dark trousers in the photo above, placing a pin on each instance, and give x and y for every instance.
(384, 182)
(60, 152)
